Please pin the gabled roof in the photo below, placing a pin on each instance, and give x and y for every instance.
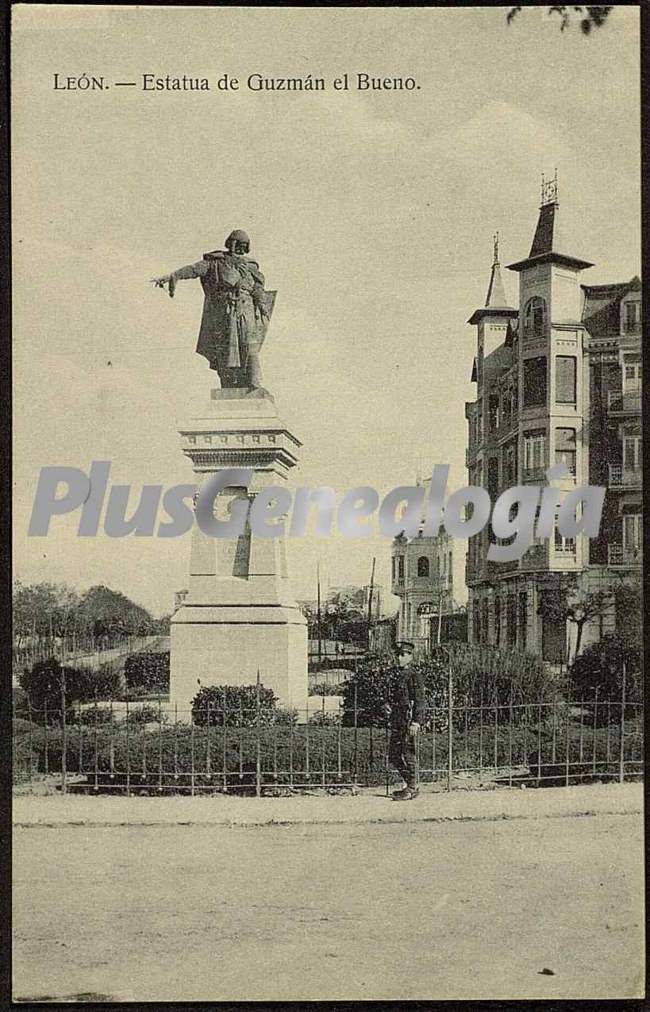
(602, 305)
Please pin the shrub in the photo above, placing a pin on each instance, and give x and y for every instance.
(600, 668)
(146, 714)
(42, 685)
(368, 691)
(21, 727)
(493, 675)
(147, 671)
(234, 705)
(93, 715)
(310, 754)
(103, 684)
(481, 676)
(286, 718)
(325, 719)
(19, 698)
(325, 689)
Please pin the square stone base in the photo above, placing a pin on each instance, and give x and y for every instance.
(228, 645)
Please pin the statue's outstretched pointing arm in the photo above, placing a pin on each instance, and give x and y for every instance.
(197, 270)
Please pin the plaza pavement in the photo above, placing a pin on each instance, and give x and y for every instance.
(368, 806)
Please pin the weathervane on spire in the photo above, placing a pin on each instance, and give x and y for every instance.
(496, 249)
(549, 190)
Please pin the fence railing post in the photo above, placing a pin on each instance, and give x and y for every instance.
(356, 741)
(31, 737)
(621, 758)
(64, 737)
(258, 764)
(450, 728)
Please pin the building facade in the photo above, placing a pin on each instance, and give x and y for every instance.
(422, 577)
(558, 381)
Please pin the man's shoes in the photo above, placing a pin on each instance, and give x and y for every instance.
(407, 794)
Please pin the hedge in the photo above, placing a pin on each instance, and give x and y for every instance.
(147, 671)
(304, 749)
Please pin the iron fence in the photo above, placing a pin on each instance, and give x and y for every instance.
(119, 746)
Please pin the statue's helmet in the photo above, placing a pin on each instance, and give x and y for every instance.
(238, 236)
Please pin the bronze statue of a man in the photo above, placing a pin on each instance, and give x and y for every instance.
(236, 310)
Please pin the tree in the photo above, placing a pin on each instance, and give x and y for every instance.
(590, 17)
(628, 604)
(568, 603)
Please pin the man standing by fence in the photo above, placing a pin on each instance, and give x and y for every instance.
(407, 710)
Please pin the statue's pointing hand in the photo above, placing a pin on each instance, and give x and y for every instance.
(166, 279)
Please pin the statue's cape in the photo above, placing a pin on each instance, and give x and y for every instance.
(269, 302)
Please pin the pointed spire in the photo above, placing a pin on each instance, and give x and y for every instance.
(548, 245)
(496, 293)
(547, 237)
(496, 303)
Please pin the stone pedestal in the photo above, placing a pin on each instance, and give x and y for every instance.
(239, 616)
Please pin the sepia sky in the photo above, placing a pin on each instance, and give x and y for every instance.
(371, 213)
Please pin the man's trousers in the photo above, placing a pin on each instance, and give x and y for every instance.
(401, 754)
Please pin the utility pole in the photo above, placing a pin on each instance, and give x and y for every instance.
(440, 597)
(318, 615)
(370, 594)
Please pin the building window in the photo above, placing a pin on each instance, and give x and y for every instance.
(534, 381)
(632, 453)
(632, 316)
(535, 316)
(632, 535)
(493, 477)
(423, 566)
(522, 619)
(565, 379)
(509, 465)
(511, 620)
(564, 546)
(400, 567)
(565, 448)
(497, 621)
(534, 451)
(631, 376)
(484, 621)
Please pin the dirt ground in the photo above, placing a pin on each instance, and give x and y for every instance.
(424, 911)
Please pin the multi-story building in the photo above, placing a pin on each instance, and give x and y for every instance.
(558, 380)
(422, 577)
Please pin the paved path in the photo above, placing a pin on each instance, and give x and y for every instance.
(368, 806)
(537, 908)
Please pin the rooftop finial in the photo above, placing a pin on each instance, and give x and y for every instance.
(495, 261)
(549, 190)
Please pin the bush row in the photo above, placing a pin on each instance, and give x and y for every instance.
(350, 753)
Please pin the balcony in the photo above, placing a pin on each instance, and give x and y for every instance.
(536, 474)
(624, 477)
(622, 555)
(535, 557)
(565, 550)
(620, 403)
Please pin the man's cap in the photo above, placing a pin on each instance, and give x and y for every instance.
(238, 235)
(404, 647)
